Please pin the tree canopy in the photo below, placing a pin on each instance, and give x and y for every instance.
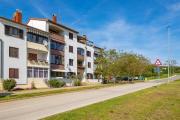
(111, 63)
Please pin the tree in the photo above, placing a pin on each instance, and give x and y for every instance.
(112, 64)
(133, 64)
(101, 62)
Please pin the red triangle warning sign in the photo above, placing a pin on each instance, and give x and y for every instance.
(158, 62)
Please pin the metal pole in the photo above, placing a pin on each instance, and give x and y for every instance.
(168, 36)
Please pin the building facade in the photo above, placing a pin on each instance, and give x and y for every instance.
(42, 49)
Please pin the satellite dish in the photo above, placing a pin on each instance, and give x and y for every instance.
(45, 42)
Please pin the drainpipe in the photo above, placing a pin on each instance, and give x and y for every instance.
(1, 59)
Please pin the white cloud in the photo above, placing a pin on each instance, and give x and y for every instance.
(122, 35)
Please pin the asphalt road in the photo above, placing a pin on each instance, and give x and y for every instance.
(36, 108)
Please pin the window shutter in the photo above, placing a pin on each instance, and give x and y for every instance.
(11, 73)
(16, 72)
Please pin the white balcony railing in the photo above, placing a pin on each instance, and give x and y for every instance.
(38, 63)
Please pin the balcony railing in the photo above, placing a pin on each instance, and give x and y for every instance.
(38, 63)
(57, 38)
(80, 57)
(83, 41)
(57, 67)
(80, 66)
(37, 46)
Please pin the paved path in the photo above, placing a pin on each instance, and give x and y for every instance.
(36, 108)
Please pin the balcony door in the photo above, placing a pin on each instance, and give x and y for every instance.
(32, 56)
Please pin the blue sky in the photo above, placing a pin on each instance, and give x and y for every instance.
(128, 25)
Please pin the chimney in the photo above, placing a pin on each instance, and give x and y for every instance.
(17, 17)
(14, 17)
(54, 18)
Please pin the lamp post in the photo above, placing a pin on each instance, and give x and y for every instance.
(168, 38)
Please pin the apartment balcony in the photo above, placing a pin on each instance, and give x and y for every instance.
(36, 46)
(81, 66)
(57, 52)
(55, 67)
(80, 57)
(83, 41)
(38, 63)
(80, 71)
(57, 38)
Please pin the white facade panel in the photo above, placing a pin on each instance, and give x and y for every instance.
(38, 24)
(69, 55)
(90, 59)
(20, 62)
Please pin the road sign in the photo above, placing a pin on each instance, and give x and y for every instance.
(157, 69)
(158, 62)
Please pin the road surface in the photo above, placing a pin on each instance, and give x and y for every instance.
(36, 108)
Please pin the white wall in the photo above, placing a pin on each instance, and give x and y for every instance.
(21, 62)
(69, 55)
(90, 59)
(43, 25)
(38, 24)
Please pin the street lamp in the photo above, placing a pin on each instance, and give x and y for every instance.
(168, 37)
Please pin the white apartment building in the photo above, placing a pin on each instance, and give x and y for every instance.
(41, 50)
(14, 52)
(75, 53)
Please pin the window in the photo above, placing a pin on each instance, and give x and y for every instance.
(88, 53)
(89, 76)
(80, 63)
(30, 72)
(45, 73)
(13, 31)
(57, 74)
(57, 46)
(89, 65)
(32, 56)
(71, 49)
(57, 59)
(80, 51)
(13, 52)
(36, 38)
(13, 73)
(71, 62)
(41, 73)
(71, 36)
(37, 72)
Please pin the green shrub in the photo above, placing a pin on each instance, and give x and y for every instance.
(56, 83)
(9, 84)
(77, 83)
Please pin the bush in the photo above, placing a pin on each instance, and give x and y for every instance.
(56, 83)
(9, 84)
(77, 83)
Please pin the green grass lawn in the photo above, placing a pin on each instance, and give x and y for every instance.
(50, 92)
(156, 103)
(156, 77)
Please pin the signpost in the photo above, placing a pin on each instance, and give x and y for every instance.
(158, 64)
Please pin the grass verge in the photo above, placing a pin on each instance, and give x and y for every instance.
(156, 103)
(12, 96)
